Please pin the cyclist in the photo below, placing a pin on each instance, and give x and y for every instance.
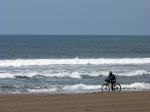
(111, 79)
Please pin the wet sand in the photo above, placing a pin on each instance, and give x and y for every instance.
(100, 102)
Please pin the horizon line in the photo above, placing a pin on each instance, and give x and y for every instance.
(65, 35)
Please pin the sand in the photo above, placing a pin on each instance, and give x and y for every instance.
(100, 102)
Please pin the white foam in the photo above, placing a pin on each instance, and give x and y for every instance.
(31, 74)
(65, 74)
(42, 90)
(133, 86)
(68, 74)
(6, 75)
(67, 88)
(81, 87)
(13, 75)
(100, 61)
(137, 86)
(134, 73)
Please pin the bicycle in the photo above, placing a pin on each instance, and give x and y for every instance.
(106, 87)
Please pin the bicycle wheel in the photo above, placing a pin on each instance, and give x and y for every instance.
(105, 87)
(117, 87)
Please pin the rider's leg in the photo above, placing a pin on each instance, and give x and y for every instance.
(112, 86)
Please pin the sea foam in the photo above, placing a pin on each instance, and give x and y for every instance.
(84, 87)
(99, 61)
(68, 74)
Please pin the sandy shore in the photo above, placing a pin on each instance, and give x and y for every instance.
(101, 102)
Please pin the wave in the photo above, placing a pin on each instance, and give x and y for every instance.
(136, 86)
(87, 88)
(67, 88)
(68, 74)
(81, 87)
(133, 86)
(99, 61)
(75, 75)
(42, 90)
(16, 75)
(76, 88)
(120, 73)
(134, 73)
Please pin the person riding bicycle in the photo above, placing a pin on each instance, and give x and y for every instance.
(111, 79)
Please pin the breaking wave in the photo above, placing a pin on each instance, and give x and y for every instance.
(136, 86)
(76, 88)
(83, 87)
(100, 61)
(134, 73)
(133, 86)
(68, 74)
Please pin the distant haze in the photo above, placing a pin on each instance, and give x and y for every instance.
(75, 17)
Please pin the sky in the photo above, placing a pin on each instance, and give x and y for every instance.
(75, 17)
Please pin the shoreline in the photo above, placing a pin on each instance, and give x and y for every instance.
(74, 92)
(138, 101)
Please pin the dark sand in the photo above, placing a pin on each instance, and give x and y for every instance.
(101, 102)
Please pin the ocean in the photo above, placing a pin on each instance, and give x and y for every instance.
(72, 63)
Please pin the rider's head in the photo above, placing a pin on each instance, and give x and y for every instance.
(110, 72)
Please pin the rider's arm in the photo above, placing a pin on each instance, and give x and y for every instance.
(108, 78)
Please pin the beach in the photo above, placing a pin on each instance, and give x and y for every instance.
(87, 102)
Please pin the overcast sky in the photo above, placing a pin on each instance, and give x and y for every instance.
(98, 17)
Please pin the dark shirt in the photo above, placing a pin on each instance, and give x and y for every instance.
(111, 78)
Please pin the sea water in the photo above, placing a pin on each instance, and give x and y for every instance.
(72, 64)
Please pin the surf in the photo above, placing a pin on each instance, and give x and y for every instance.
(75, 61)
(69, 74)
